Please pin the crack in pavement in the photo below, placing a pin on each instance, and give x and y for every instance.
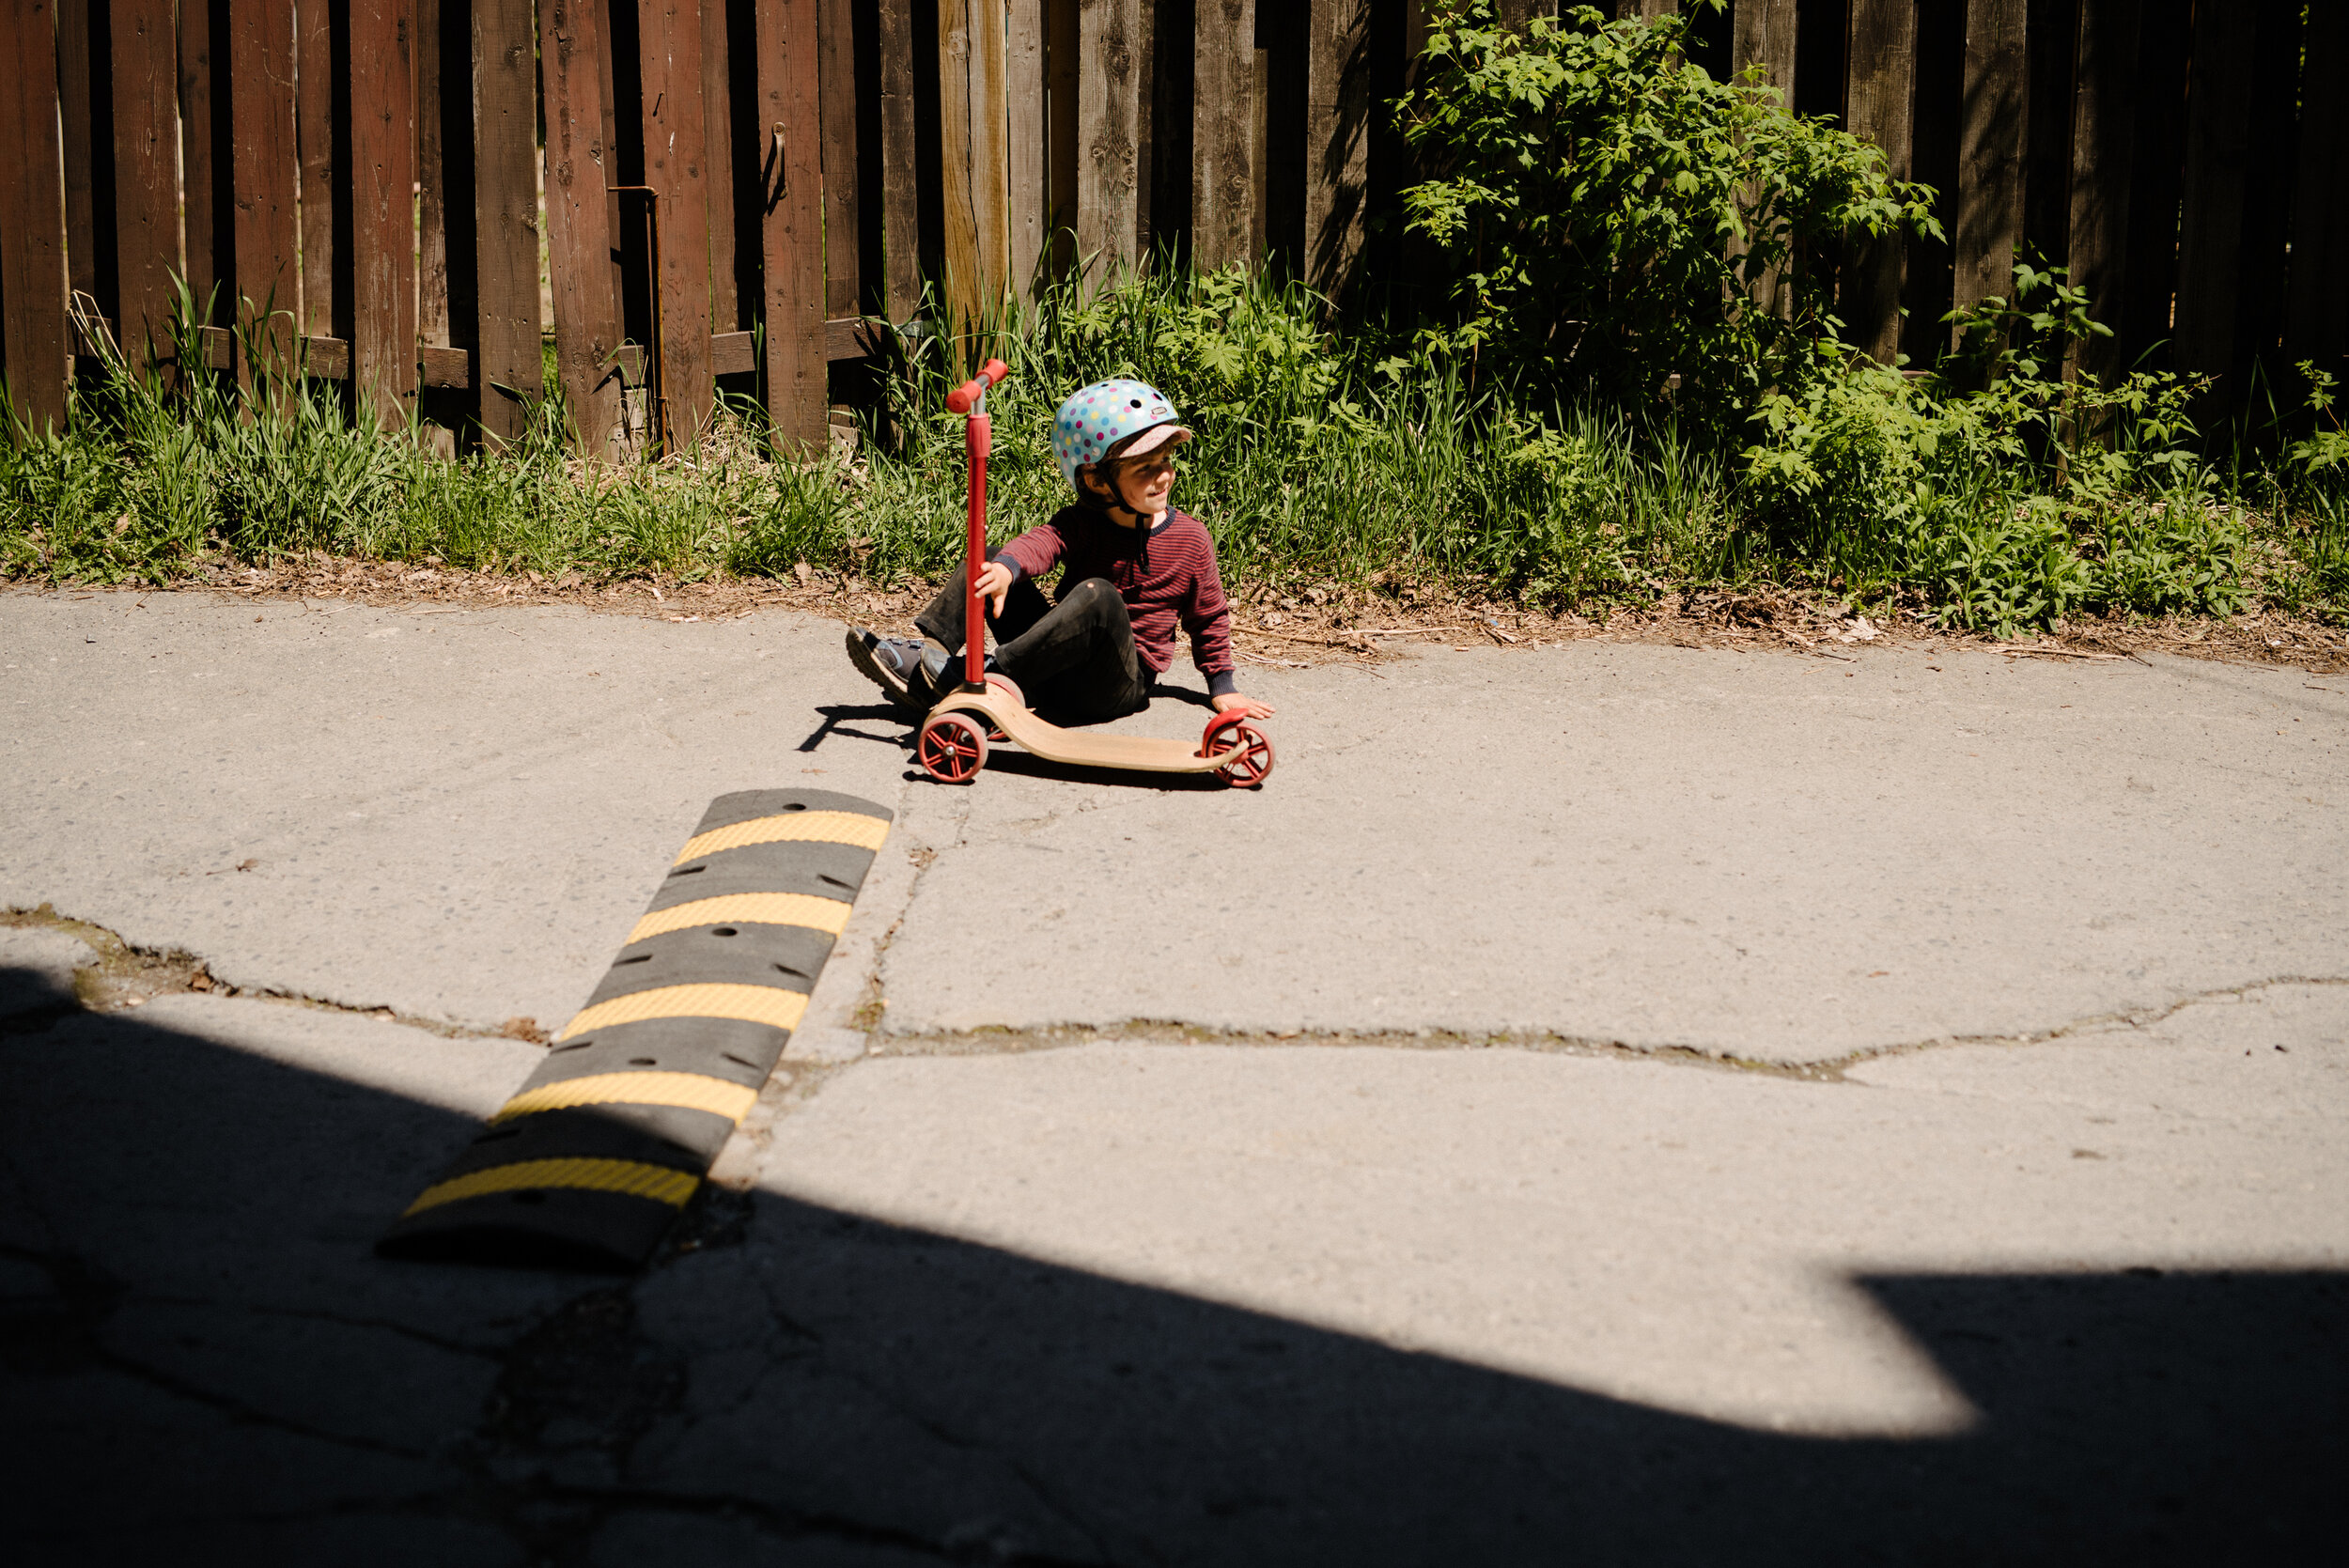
(922, 855)
(176, 971)
(1003, 1041)
(123, 976)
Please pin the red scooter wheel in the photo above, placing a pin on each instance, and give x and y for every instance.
(952, 746)
(1245, 750)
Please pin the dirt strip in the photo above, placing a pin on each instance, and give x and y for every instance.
(1299, 626)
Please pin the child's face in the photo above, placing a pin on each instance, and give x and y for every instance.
(1146, 483)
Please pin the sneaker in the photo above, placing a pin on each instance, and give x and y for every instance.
(905, 668)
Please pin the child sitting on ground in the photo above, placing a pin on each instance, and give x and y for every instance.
(1132, 568)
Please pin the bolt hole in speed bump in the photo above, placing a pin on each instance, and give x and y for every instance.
(588, 1163)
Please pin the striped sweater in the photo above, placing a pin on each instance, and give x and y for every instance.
(1167, 578)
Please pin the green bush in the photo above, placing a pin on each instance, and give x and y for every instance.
(1610, 213)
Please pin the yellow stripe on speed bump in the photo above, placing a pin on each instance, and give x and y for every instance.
(747, 909)
(633, 1177)
(767, 1005)
(685, 1091)
(817, 827)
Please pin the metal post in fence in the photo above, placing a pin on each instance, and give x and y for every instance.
(658, 428)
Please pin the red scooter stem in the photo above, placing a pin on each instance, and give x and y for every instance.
(977, 436)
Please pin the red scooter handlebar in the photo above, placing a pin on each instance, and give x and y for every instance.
(969, 391)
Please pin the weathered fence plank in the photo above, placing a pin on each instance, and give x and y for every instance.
(1991, 141)
(1160, 160)
(836, 83)
(385, 351)
(204, 153)
(1024, 132)
(900, 194)
(957, 180)
(990, 150)
(2317, 325)
(508, 367)
(1108, 158)
(82, 133)
(579, 220)
(1060, 159)
(261, 73)
(791, 203)
(725, 313)
(2103, 144)
(2217, 155)
(1337, 139)
(974, 119)
(32, 218)
(1881, 91)
(1763, 33)
(1222, 132)
(147, 175)
(612, 18)
(314, 141)
(433, 57)
(670, 61)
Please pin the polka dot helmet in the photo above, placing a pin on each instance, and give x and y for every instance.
(1101, 417)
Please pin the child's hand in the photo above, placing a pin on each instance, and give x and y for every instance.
(1231, 701)
(994, 583)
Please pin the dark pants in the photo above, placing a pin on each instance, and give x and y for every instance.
(1075, 658)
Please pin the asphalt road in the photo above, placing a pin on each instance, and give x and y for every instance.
(1638, 1103)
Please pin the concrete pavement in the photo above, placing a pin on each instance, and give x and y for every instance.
(1614, 1096)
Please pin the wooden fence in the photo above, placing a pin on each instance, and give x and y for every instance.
(408, 194)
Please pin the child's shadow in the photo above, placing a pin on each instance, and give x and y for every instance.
(1026, 764)
(834, 715)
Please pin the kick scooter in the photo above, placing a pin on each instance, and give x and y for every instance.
(987, 708)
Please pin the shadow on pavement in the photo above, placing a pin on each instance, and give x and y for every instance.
(201, 1361)
(886, 713)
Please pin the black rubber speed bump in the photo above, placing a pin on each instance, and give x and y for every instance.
(590, 1161)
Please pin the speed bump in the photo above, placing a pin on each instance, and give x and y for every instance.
(590, 1160)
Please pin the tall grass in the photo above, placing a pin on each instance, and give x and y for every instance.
(157, 475)
(1359, 456)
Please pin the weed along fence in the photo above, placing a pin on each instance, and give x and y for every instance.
(407, 197)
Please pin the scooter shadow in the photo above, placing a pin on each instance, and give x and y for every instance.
(1025, 764)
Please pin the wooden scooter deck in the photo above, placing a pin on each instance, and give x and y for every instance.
(1142, 753)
